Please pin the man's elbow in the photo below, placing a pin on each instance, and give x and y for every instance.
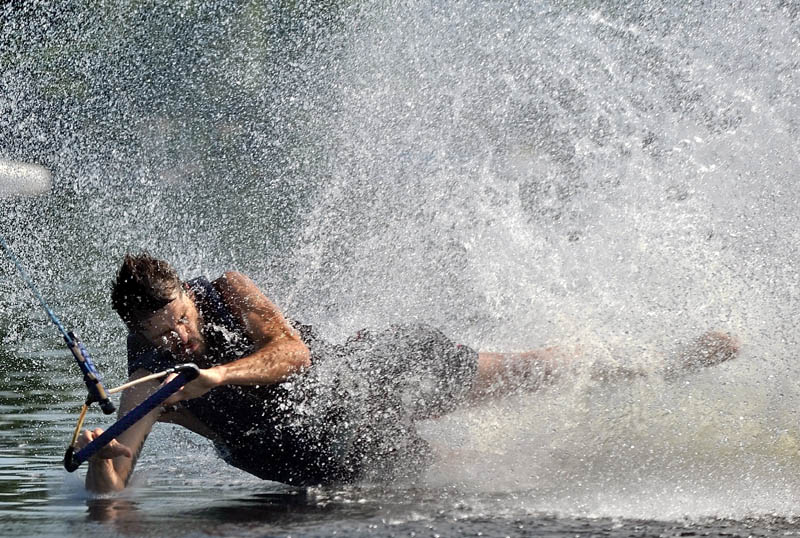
(302, 360)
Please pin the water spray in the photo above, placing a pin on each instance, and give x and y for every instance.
(23, 179)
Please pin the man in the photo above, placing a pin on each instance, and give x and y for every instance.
(282, 404)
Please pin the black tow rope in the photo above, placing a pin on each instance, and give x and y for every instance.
(97, 392)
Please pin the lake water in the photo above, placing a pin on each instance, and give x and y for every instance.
(183, 489)
(610, 177)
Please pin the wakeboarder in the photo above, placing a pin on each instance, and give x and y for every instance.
(281, 403)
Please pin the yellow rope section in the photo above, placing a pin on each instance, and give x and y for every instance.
(78, 427)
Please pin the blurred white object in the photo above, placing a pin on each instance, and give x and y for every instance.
(23, 179)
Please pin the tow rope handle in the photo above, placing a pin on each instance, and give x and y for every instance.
(73, 460)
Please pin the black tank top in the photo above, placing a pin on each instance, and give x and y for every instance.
(260, 429)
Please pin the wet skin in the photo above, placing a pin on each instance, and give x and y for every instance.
(279, 353)
(176, 328)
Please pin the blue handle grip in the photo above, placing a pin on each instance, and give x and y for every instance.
(73, 460)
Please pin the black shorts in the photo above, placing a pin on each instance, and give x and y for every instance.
(370, 390)
(414, 367)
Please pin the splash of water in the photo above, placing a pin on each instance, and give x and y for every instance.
(612, 178)
(608, 177)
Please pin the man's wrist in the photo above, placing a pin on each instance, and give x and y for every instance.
(219, 375)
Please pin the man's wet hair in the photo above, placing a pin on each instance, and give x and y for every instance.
(143, 286)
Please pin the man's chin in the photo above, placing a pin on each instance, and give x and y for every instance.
(190, 355)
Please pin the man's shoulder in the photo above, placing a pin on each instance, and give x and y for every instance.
(232, 282)
(236, 289)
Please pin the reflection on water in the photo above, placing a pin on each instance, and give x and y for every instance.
(610, 174)
(274, 508)
(181, 489)
(36, 407)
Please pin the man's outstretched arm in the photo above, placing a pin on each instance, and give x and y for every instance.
(279, 351)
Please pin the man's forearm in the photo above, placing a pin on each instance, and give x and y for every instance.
(266, 366)
(111, 467)
(102, 477)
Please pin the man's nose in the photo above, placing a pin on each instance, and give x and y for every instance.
(183, 333)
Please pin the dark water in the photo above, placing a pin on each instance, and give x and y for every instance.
(611, 177)
(182, 490)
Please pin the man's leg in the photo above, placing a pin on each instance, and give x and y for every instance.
(500, 374)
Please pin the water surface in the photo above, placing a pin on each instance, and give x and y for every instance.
(610, 177)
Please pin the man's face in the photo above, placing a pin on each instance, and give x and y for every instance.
(176, 328)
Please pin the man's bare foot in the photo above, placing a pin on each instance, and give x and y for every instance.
(712, 348)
